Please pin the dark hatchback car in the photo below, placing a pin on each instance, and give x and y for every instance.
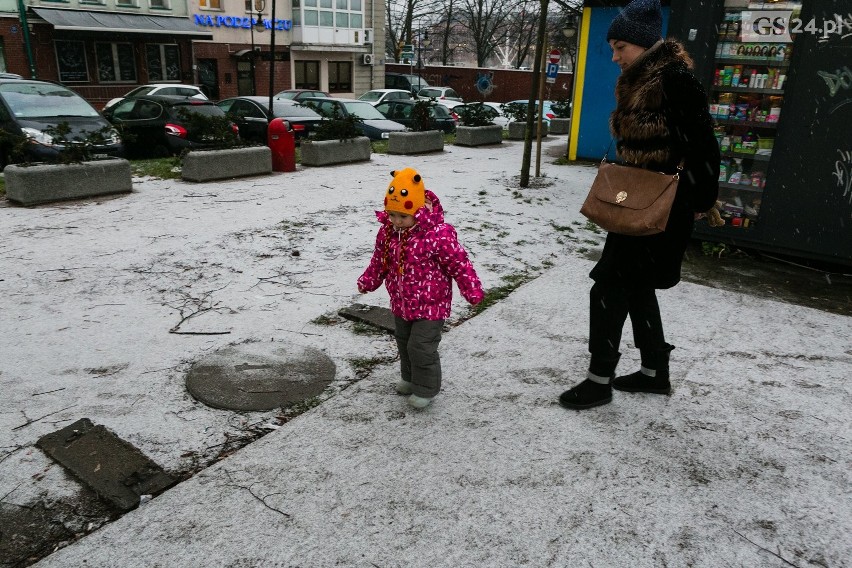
(401, 111)
(251, 115)
(31, 111)
(162, 125)
(374, 125)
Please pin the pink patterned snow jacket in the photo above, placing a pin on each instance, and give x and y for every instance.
(417, 264)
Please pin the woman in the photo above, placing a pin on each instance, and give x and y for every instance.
(661, 118)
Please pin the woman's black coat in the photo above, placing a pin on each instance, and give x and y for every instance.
(661, 117)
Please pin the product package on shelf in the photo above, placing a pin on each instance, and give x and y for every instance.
(747, 96)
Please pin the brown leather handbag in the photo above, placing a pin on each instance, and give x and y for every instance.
(629, 200)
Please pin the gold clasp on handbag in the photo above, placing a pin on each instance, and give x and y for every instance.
(621, 196)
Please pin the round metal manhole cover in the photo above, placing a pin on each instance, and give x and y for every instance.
(259, 376)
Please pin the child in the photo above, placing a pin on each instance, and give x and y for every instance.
(416, 255)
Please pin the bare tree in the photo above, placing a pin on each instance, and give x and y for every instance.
(486, 21)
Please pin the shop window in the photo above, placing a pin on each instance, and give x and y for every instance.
(115, 62)
(326, 19)
(210, 4)
(163, 62)
(71, 61)
(307, 75)
(339, 76)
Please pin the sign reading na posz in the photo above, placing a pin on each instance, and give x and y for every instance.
(209, 21)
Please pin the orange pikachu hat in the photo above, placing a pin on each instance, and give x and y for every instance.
(406, 192)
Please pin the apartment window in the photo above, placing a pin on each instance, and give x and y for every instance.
(342, 4)
(342, 20)
(210, 4)
(325, 4)
(339, 76)
(115, 62)
(326, 19)
(307, 75)
(311, 18)
(125, 3)
(328, 13)
(163, 62)
(356, 20)
(258, 5)
(162, 4)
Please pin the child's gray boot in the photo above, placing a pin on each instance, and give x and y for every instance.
(403, 387)
(419, 402)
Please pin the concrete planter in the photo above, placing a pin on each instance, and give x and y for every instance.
(479, 135)
(208, 165)
(415, 142)
(329, 152)
(44, 183)
(559, 126)
(517, 130)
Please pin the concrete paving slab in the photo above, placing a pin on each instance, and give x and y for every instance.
(381, 318)
(259, 376)
(112, 467)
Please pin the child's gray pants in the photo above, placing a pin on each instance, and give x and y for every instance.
(419, 361)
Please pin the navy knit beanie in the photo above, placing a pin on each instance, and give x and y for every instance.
(639, 23)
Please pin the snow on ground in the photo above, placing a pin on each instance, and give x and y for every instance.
(92, 288)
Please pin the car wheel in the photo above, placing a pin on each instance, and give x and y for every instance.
(160, 151)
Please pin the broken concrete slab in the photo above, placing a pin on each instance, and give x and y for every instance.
(370, 315)
(115, 469)
(259, 376)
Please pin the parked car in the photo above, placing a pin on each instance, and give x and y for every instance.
(161, 125)
(412, 83)
(374, 126)
(251, 115)
(377, 96)
(440, 93)
(29, 107)
(299, 94)
(400, 111)
(493, 111)
(548, 112)
(172, 89)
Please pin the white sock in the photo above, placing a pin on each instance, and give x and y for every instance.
(597, 379)
(647, 371)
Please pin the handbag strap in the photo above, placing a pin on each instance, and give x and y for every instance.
(675, 176)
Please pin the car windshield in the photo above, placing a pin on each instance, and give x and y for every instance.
(206, 110)
(286, 95)
(363, 109)
(38, 100)
(370, 96)
(288, 109)
(139, 91)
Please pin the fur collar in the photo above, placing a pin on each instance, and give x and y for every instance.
(639, 121)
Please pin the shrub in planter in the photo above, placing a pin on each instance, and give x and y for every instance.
(336, 141)
(477, 128)
(77, 170)
(422, 138)
(561, 124)
(221, 154)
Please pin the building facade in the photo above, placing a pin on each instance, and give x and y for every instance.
(104, 48)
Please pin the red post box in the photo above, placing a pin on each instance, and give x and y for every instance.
(282, 142)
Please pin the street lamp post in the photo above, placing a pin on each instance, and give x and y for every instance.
(421, 45)
(272, 59)
(259, 6)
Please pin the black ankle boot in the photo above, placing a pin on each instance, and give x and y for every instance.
(640, 382)
(587, 394)
(657, 361)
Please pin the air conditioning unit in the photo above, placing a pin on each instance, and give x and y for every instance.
(368, 35)
(367, 58)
